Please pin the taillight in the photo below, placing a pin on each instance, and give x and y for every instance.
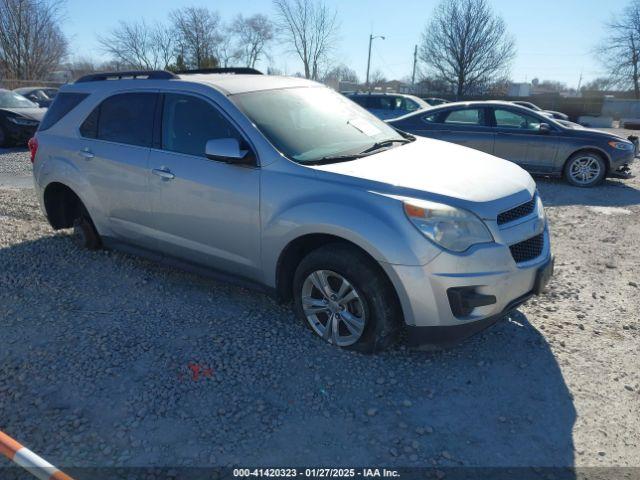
(33, 148)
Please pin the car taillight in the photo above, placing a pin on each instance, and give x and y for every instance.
(33, 148)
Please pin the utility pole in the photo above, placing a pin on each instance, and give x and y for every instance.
(371, 38)
(415, 60)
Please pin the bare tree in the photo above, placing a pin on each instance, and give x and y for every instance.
(139, 45)
(31, 42)
(253, 34)
(198, 35)
(377, 78)
(620, 50)
(341, 73)
(310, 28)
(227, 51)
(467, 45)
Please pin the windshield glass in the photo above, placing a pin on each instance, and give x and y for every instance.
(13, 100)
(311, 124)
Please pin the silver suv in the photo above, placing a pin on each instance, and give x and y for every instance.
(288, 185)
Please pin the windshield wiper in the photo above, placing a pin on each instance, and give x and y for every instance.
(334, 159)
(385, 143)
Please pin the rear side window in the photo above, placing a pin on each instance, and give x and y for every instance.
(466, 116)
(124, 118)
(188, 123)
(63, 104)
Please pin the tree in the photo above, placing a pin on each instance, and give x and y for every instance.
(253, 34)
(377, 78)
(341, 73)
(600, 84)
(310, 29)
(198, 35)
(32, 44)
(467, 45)
(139, 45)
(620, 50)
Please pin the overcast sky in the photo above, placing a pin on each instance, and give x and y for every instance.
(554, 38)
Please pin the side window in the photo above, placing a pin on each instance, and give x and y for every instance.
(518, 121)
(63, 104)
(432, 118)
(466, 116)
(410, 105)
(189, 122)
(89, 127)
(359, 100)
(374, 103)
(127, 118)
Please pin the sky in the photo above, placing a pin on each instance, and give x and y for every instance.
(555, 39)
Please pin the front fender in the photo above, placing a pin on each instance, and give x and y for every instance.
(384, 233)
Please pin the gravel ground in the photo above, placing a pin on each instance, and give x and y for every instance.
(98, 351)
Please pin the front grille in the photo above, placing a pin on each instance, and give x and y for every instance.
(517, 212)
(528, 249)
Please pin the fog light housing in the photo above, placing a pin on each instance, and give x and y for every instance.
(464, 299)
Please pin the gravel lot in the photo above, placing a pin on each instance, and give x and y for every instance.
(97, 352)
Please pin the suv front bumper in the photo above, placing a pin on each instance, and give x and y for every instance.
(487, 276)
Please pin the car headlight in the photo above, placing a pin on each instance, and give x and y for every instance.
(540, 208)
(25, 122)
(451, 228)
(627, 146)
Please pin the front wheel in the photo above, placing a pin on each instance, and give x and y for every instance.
(342, 296)
(585, 169)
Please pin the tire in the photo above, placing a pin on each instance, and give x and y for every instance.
(585, 169)
(85, 234)
(4, 140)
(368, 321)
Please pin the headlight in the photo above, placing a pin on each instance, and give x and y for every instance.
(25, 122)
(622, 146)
(449, 227)
(541, 213)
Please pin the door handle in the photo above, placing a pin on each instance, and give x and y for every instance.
(163, 173)
(86, 154)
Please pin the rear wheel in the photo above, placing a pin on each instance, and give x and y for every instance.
(4, 141)
(84, 232)
(585, 169)
(342, 296)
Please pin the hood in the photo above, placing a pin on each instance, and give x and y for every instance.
(596, 134)
(442, 171)
(31, 113)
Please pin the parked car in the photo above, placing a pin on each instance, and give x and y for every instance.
(43, 96)
(537, 143)
(287, 184)
(19, 118)
(433, 101)
(388, 105)
(548, 113)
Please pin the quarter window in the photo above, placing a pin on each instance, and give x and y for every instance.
(518, 121)
(189, 122)
(124, 118)
(63, 104)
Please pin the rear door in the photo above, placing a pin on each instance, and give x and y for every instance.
(520, 140)
(205, 211)
(466, 126)
(114, 151)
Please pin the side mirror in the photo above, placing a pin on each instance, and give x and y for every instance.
(227, 150)
(544, 128)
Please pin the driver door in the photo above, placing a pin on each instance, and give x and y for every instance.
(207, 211)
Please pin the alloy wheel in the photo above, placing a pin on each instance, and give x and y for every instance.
(585, 170)
(333, 307)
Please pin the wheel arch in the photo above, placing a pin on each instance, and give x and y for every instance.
(589, 149)
(298, 248)
(62, 205)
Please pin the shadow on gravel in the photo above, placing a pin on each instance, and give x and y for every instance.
(611, 193)
(100, 343)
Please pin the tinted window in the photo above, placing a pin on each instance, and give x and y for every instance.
(63, 104)
(189, 122)
(410, 105)
(510, 119)
(124, 118)
(467, 116)
(362, 101)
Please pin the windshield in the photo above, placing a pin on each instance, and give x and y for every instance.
(14, 100)
(313, 124)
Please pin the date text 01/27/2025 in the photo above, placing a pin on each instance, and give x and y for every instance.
(316, 472)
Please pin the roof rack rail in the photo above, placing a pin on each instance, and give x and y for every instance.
(134, 74)
(234, 70)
